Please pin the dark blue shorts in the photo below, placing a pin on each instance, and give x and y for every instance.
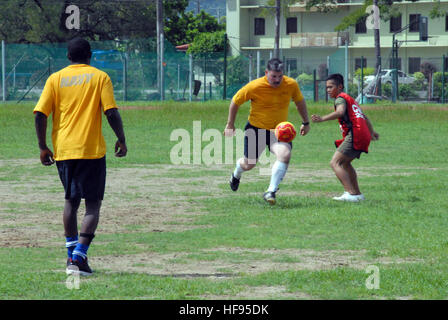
(256, 140)
(83, 178)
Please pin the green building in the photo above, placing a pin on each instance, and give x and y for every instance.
(308, 41)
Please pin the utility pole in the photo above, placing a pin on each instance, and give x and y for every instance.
(277, 29)
(159, 9)
(3, 71)
(224, 90)
(162, 69)
(376, 34)
(198, 6)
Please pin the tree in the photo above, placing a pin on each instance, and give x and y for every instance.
(428, 69)
(210, 46)
(39, 21)
(185, 27)
(208, 42)
(12, 26)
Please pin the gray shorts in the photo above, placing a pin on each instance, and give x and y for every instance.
(346, 147)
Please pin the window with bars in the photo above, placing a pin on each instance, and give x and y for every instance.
(391, 64)
(291, 25)
(361, 26)
(291, 64)
(259, 27)
(359, 63)
(395, 24)
(414, 64)
(414, 22)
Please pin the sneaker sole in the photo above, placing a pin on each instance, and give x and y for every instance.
(77, 272)
(346, 200)
(234, 190)
(270, 201)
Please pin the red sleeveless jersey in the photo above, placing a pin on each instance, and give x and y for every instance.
(357, 124)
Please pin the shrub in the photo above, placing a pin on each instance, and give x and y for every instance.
(419, 83)
(386, 89)
(304, 79)
(134, 94)
(437, 78)
(405, 91)
(237, 70)
(353, 90)
(366, 72)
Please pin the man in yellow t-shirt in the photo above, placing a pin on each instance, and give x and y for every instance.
(270, 97)
(77, 96)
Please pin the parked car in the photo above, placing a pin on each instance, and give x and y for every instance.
(386, 77)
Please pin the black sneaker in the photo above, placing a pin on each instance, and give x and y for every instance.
(269, 197)
(234, 183)
(80, 267)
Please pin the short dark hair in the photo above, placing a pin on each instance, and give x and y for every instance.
(275, 64)
(337, 78)
(79, 50)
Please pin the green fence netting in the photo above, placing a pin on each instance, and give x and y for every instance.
(134, 69)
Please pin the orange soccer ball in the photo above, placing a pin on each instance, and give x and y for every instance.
(285, 131)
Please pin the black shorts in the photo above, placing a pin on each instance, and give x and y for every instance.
(83, 178)
(256, 140)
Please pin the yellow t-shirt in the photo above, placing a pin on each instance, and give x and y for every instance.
(269, 106)
(77, 95)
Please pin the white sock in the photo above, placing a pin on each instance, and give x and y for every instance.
(238, 170)
(278, 172)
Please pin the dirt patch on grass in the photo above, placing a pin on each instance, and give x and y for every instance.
(241, 262)
(262, 293)
(138, 199)
(143, 198)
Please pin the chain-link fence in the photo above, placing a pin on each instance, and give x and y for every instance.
(134, 68)
(425, 79)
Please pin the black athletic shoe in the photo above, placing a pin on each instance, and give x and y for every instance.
(269, 197)
(80, 267)
(234, 183)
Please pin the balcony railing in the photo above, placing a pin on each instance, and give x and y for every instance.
(318, 39)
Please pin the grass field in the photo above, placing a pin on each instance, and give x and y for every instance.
(177, 231)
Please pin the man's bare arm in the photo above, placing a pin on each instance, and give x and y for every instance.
(40, 122)
(230, 126)
(303, 111)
